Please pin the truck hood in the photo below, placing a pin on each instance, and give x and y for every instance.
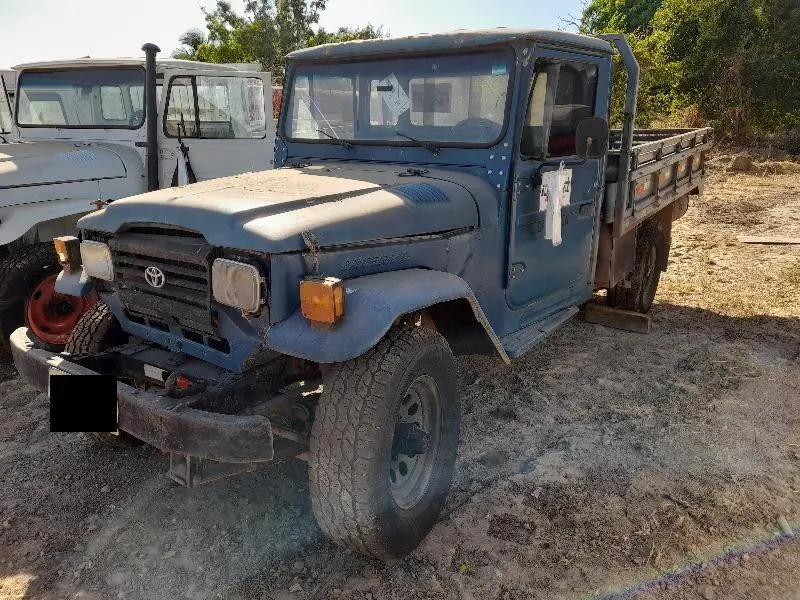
(44, 163)
(269, 211)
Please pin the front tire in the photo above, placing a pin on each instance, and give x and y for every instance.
(99, 330)
(384, 443)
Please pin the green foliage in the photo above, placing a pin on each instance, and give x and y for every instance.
(345, 34)
(465, 568)
(618, 16)
(732, 63)
(737, 60)
(264, 34)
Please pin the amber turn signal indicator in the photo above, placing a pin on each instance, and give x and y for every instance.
(322, 299)
(68, 250)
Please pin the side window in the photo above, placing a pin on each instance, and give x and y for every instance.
(216, 107)
(574, 101)
(111, 104)
(533, 130)
(180, 119)
(563, 94)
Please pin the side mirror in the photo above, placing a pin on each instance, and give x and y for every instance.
(591, 138)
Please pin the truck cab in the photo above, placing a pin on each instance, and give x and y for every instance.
(80, 136)
(436, 195)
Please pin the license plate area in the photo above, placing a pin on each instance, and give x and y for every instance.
(82, 403)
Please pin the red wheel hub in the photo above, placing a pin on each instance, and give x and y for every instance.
(53, 316)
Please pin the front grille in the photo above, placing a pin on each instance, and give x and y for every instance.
(184, 300)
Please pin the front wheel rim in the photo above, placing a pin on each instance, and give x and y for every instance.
(410, 476)
(53, 316)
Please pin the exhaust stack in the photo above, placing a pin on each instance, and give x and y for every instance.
(151, 112)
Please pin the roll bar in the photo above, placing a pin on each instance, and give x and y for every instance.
(628, 121)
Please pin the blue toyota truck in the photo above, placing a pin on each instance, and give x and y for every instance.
(438, 194)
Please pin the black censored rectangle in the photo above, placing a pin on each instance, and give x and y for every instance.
(83, 403)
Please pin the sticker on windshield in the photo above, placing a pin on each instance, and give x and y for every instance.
(394, 97)
(499, 69)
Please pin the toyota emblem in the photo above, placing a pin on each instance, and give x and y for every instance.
(155, 277)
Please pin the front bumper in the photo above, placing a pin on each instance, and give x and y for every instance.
(159, 420)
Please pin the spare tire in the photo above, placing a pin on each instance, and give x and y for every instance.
(28, 297)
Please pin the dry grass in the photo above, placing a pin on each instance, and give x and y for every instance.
(710, 268)
(793, 277)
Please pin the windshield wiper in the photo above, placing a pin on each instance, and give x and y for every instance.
(338, 140)
(432, 148)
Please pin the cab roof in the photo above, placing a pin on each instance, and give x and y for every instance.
(170, 63)
(450, 41)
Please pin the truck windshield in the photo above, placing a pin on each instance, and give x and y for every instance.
(107, 98)
(456, 100)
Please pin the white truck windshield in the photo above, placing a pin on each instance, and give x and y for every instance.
(108, 98)
(455, 100)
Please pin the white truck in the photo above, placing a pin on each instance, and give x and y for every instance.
(86, 132)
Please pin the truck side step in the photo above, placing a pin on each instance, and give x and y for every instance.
(518, 343)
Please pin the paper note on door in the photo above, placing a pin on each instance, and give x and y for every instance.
(553, 196)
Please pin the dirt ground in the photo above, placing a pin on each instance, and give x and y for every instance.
(605, 464)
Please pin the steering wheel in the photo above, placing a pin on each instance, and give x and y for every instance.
(477, 129)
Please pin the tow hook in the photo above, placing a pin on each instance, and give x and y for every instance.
(410, 439)
(180, 386)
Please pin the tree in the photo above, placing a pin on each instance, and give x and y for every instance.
(738, 61)
(191, 41)
(618, 16)
(732, 63)
(265, 33)
(345, 34)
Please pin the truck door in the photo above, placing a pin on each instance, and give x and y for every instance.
(223, 119)
(544, 275)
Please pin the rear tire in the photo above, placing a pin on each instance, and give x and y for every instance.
(97, 331)
(638, 291)
(366, 493)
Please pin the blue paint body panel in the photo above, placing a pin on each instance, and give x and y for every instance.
(404, 227)
(372, 305)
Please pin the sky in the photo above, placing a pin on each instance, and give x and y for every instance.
(33, 30)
